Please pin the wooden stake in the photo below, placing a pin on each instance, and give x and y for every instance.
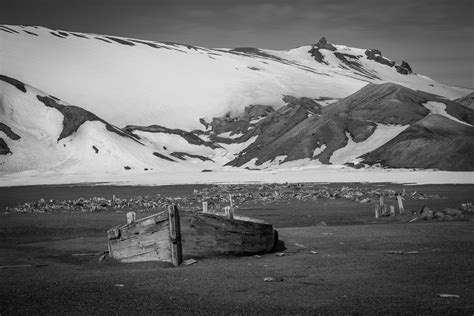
(204, 207)
(131, 217)
(230, 214)
(175, 235)
(400, 204)
(227, 211)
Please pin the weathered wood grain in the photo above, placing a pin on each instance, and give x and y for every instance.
(175, 235)
(206, 235)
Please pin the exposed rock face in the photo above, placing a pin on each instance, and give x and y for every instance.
(323, 44)
(299, 129)
(314, 51)
(4, 149)
(404, 68)
(433, 142)
(75, 116)
(8, 131)
(376, 55)
(188, 136)
(467, 101)
(18, 84)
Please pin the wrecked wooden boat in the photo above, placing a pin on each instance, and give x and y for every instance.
(174, 235)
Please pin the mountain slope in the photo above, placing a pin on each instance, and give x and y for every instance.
(136, 82)
(359, 124)
(135, 106)
(433, 142)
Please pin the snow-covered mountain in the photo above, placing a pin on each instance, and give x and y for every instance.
(78, 103)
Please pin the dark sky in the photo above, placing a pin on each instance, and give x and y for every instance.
(435, 36)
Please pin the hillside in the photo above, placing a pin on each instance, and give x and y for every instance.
(74, 103)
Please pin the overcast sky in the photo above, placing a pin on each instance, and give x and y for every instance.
(435, 37)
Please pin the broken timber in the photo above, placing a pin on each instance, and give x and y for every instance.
(172, 236)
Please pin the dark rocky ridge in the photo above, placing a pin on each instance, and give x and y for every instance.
(290, 131)
(467, 101)
(433, 142)
(75, 116)
(18, 84)
(404, 68)
(8, 131)
(188, 136)
(4, 149)
(163, 156)
(376, 55)
(183, 155)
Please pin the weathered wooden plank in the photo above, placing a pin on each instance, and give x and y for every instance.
(140, 226)
(136, 231)
(209, 235)
(145, 239)
(175, 235)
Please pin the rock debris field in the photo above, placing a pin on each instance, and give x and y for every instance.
(218, 196)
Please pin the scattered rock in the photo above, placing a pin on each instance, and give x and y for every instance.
(426, 213)
(272, 279)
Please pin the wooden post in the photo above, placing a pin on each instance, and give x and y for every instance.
(400, 204)
(204, 207)
(376, 211)
(392, 210)
(231, 210)
(175, 235)
(131, 217)
(229, 213)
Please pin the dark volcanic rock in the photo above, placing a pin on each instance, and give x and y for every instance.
(323, 44)
(467, 101)
(75, 116)
(8, 131)
(183, 155)
(376, 55)
(18, 84)
(188, 136)
(163, 157)
(404, 68)
(352, 61)
(314, 51)
(433, 142)
(4, 149)
(120, 41)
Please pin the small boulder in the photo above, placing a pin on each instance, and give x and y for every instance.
(452, 212)
(439, 216)
(426, 213)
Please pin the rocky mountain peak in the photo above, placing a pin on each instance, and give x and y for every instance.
(323, 44)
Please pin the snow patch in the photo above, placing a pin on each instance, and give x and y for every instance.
(440, 108)
(319, 150)
(381, 135)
